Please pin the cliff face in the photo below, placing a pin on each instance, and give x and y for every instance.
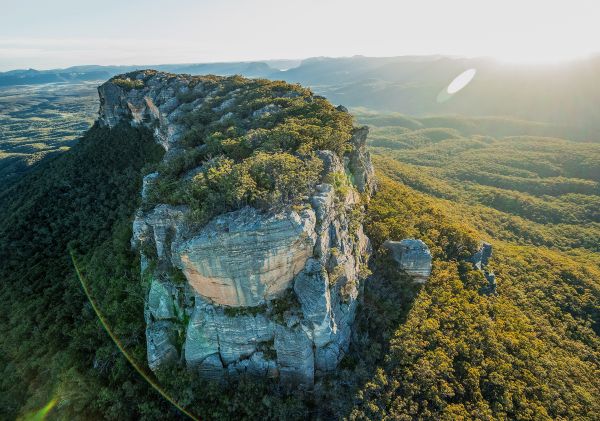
(268, 291)
(244, 258)
(156, 105)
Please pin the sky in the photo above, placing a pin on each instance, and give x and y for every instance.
(46, 34)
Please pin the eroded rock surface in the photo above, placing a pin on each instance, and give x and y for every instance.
(359, 162)
(154, 103)
(413, 256)
(245, 258)
(481, 258)
(480, 262)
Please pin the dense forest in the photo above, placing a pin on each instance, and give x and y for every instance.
(531, 350)
(257, 140)
(443, 350)
(52, 342)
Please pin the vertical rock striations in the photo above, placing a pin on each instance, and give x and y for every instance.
(269, 291)
(245, 258)
(413, 256)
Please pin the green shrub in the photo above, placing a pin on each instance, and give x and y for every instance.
(128, 84)
(268, 163)
(244, 311)
(287, 302)
(340, 182)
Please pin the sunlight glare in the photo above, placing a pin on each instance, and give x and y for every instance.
(461, 81)
(457, 84)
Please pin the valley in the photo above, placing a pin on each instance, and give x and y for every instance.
(39, 121)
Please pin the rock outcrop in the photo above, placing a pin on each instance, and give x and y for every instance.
(480, 262)
(481, 258)
(155, 103)
(413, 256)
(359, 162)
(245, 258)
(269, 293)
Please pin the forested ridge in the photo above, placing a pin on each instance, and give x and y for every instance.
(529, 352)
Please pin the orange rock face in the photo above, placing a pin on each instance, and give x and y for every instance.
(245, 258)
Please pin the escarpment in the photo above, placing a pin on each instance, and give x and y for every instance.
(250, 231)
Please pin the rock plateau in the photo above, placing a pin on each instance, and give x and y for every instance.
(267, 293)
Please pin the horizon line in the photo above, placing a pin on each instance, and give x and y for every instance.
(559, 61)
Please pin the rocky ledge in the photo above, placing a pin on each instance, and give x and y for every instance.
(263, 291)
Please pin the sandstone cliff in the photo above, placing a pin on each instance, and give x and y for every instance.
(269, 291)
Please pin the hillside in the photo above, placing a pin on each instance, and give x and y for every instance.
(79, 74)
(80, 200)
(564, 94)
(448, 349)
(255, 147)
(531, 350)
(39, 121)
(530, 189)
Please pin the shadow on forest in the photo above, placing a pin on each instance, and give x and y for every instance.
(389, 295)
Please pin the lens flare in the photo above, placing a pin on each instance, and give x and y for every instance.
(461, 81)
(121, 347)
(40, 414)
(457, 84)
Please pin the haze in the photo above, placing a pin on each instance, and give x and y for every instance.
(61, 33)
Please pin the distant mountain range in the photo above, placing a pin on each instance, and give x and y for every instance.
(565, 94)
(102, 73)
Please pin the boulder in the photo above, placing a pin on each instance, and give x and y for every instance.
(413, 256)
(481, 258)
(480, 261)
